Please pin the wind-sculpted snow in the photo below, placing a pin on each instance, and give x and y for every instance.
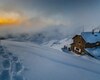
(11, 67)
(43, 63)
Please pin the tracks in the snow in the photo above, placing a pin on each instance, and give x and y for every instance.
(11, 65)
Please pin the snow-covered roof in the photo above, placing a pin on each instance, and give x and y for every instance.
(91, 38)
(94, 51)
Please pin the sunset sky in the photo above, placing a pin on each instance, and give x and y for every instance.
(37, 14)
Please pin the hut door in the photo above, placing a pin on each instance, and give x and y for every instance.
(77, 49)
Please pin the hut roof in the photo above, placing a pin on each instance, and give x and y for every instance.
(90, 37)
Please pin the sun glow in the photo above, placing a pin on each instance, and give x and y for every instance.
(10, 18)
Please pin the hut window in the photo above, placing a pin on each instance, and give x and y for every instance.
(77, 49)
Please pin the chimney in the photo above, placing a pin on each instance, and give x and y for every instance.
(93, 31)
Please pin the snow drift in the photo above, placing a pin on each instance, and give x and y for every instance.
(43, 63)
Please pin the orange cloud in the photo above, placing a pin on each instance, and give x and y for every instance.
(11, 18)
(9, 21)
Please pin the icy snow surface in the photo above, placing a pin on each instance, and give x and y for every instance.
(43, 63)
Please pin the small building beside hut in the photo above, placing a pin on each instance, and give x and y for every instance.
(86, 42)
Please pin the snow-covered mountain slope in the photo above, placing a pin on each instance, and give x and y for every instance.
(43, 63)
(58, 44)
